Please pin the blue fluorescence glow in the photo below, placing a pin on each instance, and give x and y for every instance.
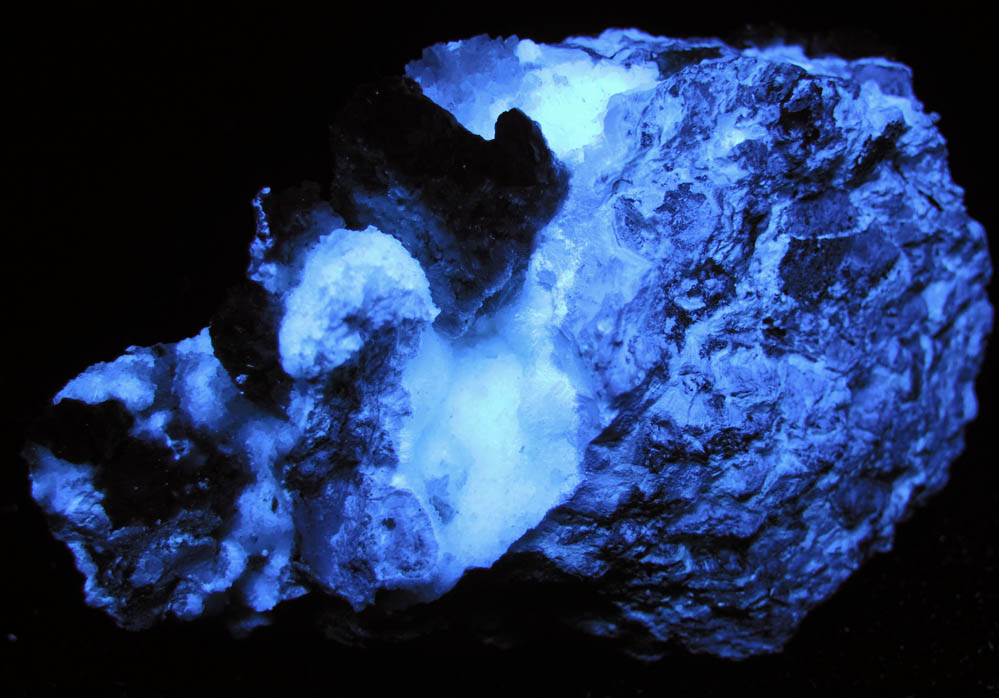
(743, 349)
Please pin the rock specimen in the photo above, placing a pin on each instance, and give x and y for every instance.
(682, 328)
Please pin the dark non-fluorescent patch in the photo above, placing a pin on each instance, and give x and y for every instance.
(810, 266)
(80, 432)
(244, 334)
(670, 62)
(143, 481)
(876, 150)
(466, 208)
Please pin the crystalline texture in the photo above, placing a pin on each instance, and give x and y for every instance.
(684, 327)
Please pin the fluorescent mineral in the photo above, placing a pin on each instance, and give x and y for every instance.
(684, 328)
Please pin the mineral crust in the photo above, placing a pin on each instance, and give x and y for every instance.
(680, 330)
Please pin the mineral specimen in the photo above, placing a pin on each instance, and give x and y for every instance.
(683, 328)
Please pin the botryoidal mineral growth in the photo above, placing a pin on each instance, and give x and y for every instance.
(684, 328)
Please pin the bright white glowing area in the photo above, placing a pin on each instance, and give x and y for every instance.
(490, 445)
(128, 378)
(203, 386)
(487, 441)
(354, 283)
(564, 90)
(569, 98)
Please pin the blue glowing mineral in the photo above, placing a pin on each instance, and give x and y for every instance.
(686, 328)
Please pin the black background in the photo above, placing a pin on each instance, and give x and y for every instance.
(136, 145)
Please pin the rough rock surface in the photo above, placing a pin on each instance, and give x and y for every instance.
(670, 333)
(466, 208)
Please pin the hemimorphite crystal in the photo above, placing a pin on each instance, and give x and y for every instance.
(685, 327)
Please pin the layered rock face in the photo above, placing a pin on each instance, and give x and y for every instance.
(684, 329)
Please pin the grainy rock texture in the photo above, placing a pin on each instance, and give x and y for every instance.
(671, 333)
